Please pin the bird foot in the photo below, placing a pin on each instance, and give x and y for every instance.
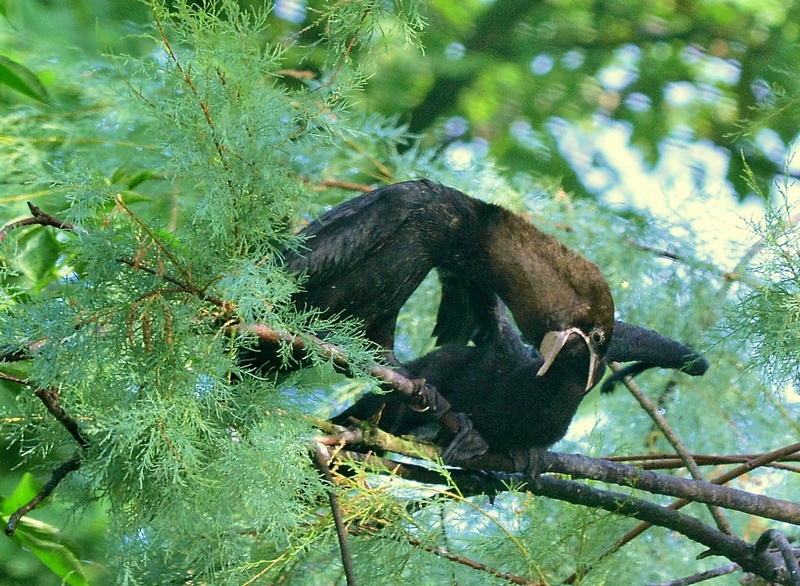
(530, 462)
(425, 398)
(467, 443)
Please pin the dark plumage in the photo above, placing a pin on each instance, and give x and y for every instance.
(364, 258)
(649, 349)
(496, 385)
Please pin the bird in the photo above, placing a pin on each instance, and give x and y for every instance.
(364, 258)
(495, 384)
(647, 349)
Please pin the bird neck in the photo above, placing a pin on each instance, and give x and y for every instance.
(546, 285)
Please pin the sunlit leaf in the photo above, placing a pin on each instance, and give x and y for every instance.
(56, 556)
(21, 79)
(26, 489)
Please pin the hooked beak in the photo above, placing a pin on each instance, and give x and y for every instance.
(553, 342)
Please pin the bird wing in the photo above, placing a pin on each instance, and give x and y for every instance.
(341, 238)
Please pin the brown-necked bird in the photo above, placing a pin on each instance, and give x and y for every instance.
(364, 258)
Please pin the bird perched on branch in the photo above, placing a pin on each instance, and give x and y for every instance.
(495, 384)
(365, 258)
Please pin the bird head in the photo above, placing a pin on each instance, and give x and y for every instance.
(591, 336)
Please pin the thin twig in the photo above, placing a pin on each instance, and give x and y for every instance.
(322, 456)
(652, 410)
(161, 246)
(702, 576)
(55, 479)
(52, 402)
(346, 55)
(660, 461)
(39, 218)
(465, 561)
(348, 185)
(443, 552)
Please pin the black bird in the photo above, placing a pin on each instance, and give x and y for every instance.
(496, 386)
(364, 258)
(648, 349)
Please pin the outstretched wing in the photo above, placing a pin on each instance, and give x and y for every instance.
(343, 237)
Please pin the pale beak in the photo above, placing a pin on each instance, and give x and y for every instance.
(553, 342)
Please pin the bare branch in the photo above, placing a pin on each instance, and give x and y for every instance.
(348, 185)
(702, 576)
(38, 218)
(755, 462)
(695, 490)
(655, 414)
(55, 479)
(778, 539)
(470, 482)
(52, 402)
(464, 561)
(503, 470)
(321, 456)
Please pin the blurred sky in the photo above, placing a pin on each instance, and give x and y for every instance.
(687, 185)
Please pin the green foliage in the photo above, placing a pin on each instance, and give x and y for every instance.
(40, 538)
(21, 79)
(515, 73)
(769, 315)
(131, 310)
(186, 162)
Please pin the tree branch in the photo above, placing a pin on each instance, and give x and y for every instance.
(55, 479)
(321, 456)
(472, 482)
(755, 462)
(655, 414)
(694, 490)
(415, 391)
(703, 576)
(39, 218)
(51, 401)
(503, 472)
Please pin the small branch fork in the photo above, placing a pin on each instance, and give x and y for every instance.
(38, 218)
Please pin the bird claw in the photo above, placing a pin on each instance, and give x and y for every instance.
(467, 443)
(530, 462)
(426, 398)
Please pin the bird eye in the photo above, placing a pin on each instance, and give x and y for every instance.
(597, 336)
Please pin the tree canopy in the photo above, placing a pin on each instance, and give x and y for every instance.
(169, 152)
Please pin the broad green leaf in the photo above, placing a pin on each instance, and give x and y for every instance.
(56, 556)
(41, 252)
(21, 79)
(26, 489)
